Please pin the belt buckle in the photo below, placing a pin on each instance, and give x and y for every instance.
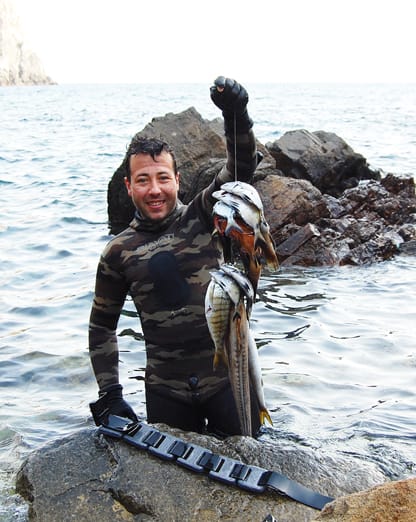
(117, 427)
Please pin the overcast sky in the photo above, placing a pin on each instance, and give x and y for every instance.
(128, 41)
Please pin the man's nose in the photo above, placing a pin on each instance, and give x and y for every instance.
(154, 187)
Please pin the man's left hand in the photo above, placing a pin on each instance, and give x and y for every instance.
(229, 96)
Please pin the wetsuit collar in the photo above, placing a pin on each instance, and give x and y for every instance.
(142, 223)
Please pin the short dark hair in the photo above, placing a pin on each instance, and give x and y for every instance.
(152, 146)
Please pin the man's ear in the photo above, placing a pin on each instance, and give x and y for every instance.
(128, 185)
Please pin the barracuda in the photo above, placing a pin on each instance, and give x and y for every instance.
(228, 303)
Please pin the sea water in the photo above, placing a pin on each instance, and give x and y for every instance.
(336, 344)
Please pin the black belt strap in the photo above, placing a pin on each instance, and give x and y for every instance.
(199, 459)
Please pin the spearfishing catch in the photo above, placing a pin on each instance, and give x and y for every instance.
(239, 221)
(228, 303)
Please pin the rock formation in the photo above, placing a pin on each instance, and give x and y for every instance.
(390, 502)
(324, 204)
(322, 158)
(19, 65)
(89, 477)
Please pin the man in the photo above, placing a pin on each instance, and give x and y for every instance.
(163, 261)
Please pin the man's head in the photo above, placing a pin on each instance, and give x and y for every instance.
(152, 179)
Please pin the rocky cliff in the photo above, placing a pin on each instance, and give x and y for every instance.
(19, 65)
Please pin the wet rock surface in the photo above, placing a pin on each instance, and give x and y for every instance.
(89, 477)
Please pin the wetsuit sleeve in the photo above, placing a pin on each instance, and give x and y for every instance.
(241, 156)
(109, 297)
(232, 98)
(241, 152)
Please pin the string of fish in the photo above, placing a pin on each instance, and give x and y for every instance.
(244, 233)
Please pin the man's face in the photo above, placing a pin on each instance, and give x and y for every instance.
(153, 185)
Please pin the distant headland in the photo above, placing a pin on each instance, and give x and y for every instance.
(19, 65)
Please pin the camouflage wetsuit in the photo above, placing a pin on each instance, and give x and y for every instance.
(165, 268)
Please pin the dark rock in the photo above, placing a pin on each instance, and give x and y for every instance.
(296, 240)
(200, 151)
(119, 204)
(408, 248)
(321, 157)
(88, 477)
(288, 200)
(393, 200)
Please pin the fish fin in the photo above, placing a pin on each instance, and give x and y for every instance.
(219, 360)
(267, 247)
(265, 415)
(272, 261)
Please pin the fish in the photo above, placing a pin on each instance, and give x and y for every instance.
(228, 303)
(239, 219)
(243, 190)
(243, 283)
(256, 378)
(221, 296)
(236, 349)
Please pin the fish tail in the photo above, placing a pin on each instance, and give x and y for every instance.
(265, 415)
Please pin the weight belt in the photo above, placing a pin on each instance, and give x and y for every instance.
(201, 460)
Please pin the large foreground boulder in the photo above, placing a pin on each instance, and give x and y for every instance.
(88, 477)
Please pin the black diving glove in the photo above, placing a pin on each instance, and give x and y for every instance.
(111, 402)
(232, 98)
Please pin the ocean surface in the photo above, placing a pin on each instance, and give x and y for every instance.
(337, 345)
